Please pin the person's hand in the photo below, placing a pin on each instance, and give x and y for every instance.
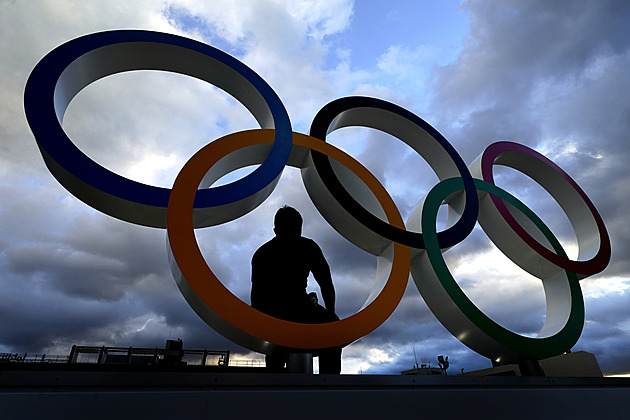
(333, 316)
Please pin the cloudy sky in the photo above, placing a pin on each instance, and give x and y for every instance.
(551, 75)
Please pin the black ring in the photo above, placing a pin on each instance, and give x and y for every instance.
(339, 113)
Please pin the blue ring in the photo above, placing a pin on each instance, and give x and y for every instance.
(63, 158)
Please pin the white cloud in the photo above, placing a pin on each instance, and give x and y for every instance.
(603, 287)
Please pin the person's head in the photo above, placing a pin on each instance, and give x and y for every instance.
(287, 222)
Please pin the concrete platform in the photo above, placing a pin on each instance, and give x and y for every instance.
(46, 394)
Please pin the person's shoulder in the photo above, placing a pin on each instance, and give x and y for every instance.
(308, 242)
(264, 248)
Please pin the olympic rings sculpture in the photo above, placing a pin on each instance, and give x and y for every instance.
(349, 197)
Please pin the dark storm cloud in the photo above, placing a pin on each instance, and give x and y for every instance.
(606, 331)
(96, 257)
(553, 77)
(512, 50)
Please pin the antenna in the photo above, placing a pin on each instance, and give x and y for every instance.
(414, 356)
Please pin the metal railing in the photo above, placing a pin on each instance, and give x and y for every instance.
(135, 356)
(247, 363)
(31, 358)
(147, 356)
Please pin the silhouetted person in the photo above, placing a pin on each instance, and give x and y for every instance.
(280, 270)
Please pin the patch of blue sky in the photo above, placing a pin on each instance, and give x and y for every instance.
(435, 25)
(352, 140)
(397, 46)
(223, 123)
(32, 182)
(189, 23)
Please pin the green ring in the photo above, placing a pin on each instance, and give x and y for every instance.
(537, 348)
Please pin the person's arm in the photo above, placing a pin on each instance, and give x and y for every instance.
(328, 294)
(321, 273)
(259, 293)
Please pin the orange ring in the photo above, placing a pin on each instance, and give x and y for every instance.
(232, 317)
